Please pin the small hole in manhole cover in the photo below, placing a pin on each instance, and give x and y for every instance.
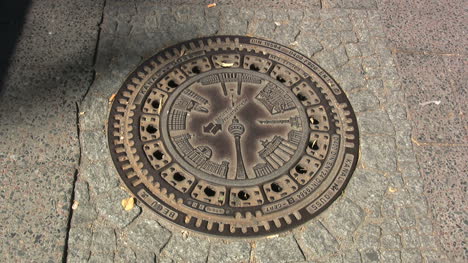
(280, 79)
(243, 195)
(151, 129)
(196, 70)
(158, 155)
(313, 145)
(179, 177)
(233, 136)
(301, 97)
(172, 84)
(155, 104)
(209, 192)
(300, 169)
(254, 67)
(276, 187)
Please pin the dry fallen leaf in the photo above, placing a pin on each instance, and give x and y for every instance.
(75, 205)
(112, 97)
(128, 203)
(160, 105)
(436, 102)
(226, 64)
(313, 144)
(211, 5)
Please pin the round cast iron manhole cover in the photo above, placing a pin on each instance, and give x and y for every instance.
(233, 136)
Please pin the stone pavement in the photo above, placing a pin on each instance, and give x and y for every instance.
(383, 215)
(429, 41)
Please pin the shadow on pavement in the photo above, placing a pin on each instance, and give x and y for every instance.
(12, 16)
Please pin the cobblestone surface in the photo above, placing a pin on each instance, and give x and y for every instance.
(382, 215)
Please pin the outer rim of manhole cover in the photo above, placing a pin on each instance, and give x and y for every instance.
(233, 136)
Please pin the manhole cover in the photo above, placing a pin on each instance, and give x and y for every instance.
(233, 136)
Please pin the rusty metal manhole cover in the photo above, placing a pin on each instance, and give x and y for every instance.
(233, 136)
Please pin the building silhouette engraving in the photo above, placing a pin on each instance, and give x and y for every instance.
(188, 101)
(294, 121)
(275, 99)
(191, 101)
(195, 96)
(239, 78)
(200, 156)
(177, 119)
(276, 153)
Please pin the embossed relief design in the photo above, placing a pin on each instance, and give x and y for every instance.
(230, 107)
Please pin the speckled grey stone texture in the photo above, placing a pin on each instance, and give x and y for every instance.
(39, 154)
(279, 249)
(367, 190)
(237, 251)
(428, 38)
(344, 218)
(80, 238)
(378, 152)
(109, 207)
(186, 249)
(146, 234)
(316, 242)
(431, 26)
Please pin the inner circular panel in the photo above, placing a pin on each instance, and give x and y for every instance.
(223, 124)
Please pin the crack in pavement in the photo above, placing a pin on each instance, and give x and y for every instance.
(75, 178)
(78, 133)
(96, 50)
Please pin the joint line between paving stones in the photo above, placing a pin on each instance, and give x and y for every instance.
(75, 178)
(440, 144)
(253, 245)
(96, 48)
(426, 52)
(99, 34)
(75, 174)
(297, 35)
(300, 248)
(208, 254)
(416, 143)
(165, 245)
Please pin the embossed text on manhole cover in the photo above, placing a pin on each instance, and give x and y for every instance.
(233, 136)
